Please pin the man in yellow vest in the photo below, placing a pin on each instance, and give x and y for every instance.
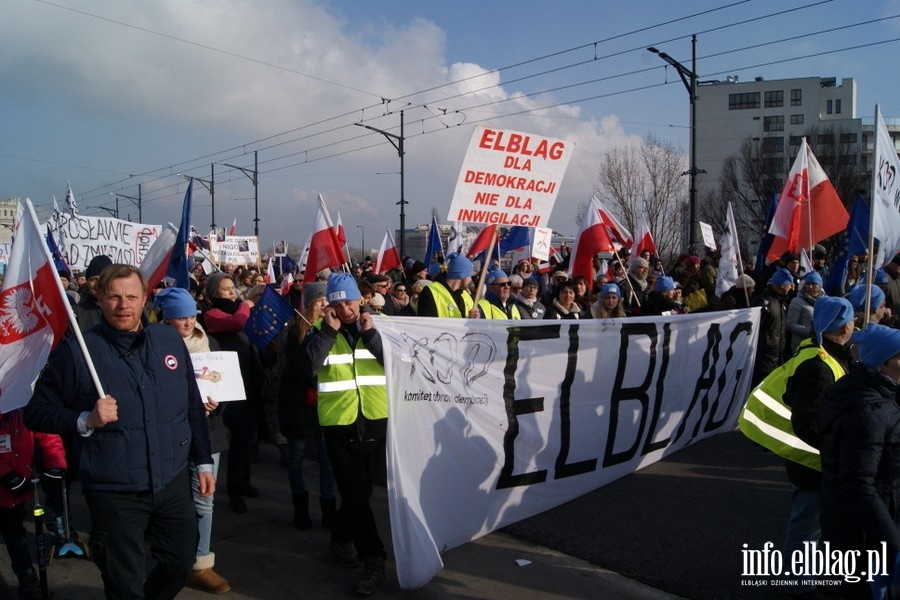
(344, 355)
(496, 303)
(782, 415)
(448, 296)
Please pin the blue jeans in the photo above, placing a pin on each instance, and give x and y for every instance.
(204, 507)
(295, 467)
(803, 526)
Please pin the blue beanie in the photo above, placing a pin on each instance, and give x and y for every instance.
(664, 284)
(458, 266)
(342, 286)
(881, 277)
(877, 344)
(857, 297)
(813, 277)
(782, 277)
(830, 313)
(610, 288)
(494, 275)
(175, 303)
(434, 269)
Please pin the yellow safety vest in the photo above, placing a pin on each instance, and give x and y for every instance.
(445, 303)
(351, 382)
(492, 311)
(766, 419)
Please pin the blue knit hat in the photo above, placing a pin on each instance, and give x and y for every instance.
(342, 286)
(857, 298)
(877, 344)
(664, 284)
(175, 303)
(881, 277)
(813, 277)
(610, 288)
(458, 266)
(494, 275)
(830, 313)
(782, 277)
(434, 269)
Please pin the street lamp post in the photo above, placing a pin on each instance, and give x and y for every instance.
(253, 175)
(689, 79)
(397, 142)
(362, 247)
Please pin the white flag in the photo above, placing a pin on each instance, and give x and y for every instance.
(33, 315)
(886, 206)
(729, 262)
(70, 201)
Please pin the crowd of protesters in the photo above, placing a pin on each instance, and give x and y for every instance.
(281, 406)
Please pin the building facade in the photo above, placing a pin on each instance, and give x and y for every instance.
(8, 208)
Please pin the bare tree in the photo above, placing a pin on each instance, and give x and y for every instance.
(646, 180)
(837, 150)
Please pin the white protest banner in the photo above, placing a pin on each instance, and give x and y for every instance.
(4, 253)
(218, 375)
(509, 178)
(885, 226)
(82, 238)
(495, 421)
(235, 250)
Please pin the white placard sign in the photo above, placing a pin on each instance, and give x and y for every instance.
(235, 250)
(82, 238)
(218, 375)
(709, 238)
(509, 178)
(492, 421)
(540, 247)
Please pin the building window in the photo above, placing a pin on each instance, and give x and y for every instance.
(774, 99)
(742, 101)
(772, 145)
(796, 97)
(829, 106)
(837, 106)
(773, 123)
(848, 138)
(796, 119)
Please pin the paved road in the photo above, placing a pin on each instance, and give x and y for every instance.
(674, 528)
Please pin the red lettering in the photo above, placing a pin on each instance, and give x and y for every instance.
(486, 198)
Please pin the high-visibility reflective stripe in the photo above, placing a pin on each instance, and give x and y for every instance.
(777, 434)
(339, 359)
(772, 404)
(336, 386)
(371, 380)
(363, 353)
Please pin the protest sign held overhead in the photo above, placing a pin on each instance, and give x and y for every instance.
(81, 238)
(235, 250)
(509, 178)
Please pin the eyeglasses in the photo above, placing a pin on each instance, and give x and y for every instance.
(400, 290)
(503, 284)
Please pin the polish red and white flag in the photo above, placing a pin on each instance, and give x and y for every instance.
(592, 239)
(388, 257)
(809, 208)
(324, 247)
(33, 313)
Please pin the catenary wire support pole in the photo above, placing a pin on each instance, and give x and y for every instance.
(135, 200)
(397, 142)
(689, 79)
(253, 175)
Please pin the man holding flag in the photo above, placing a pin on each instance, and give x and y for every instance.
(134, 442)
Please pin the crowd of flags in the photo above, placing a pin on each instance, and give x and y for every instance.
(33, 305)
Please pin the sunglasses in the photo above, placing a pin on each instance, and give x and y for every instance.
(504, 284)
(398, 290)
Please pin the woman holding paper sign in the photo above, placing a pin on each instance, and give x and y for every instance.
(179, 310)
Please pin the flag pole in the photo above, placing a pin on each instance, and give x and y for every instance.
(630, 287)
(484, 266)
(73, 323)
(870, 277)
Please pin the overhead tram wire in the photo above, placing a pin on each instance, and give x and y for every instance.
(307, 150)
(185, 163)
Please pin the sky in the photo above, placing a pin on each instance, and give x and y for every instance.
(106, 95)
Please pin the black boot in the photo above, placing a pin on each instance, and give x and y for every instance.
(329, 512)
(301, 511)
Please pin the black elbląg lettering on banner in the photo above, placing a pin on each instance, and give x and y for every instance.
(521, 406)
(704, 382)
(565, 421)
(622, 394)
(712, 423)
(649, 444)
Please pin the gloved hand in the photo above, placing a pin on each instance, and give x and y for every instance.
(52, 480)
(15, 483)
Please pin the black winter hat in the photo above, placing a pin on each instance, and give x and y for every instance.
(97, 264)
